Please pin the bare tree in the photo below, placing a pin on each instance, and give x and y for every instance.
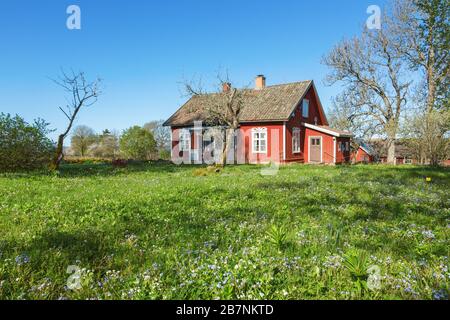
(81, 94)
(160, 133)
(374, 79)
(425, 138)
(222, 108)
(82, 138)
(345, 115)
(106, 145)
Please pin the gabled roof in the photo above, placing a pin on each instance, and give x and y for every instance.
(272, 103)
(401, 149)
(367, 148)
(328, 130)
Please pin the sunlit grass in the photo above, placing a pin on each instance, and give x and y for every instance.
(165, 232)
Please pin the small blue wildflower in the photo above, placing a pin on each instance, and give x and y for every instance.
(22, 259)
(440, 295)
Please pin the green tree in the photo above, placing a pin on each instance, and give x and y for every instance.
(422, 32)
(24, 146)
(138, 143)
(83, 137)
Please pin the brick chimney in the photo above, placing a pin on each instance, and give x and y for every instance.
(260, 82)
(226, 87)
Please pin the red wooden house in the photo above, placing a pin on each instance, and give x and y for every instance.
(281, 123)
(364, 154)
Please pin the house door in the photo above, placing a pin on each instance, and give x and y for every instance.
(315, 149)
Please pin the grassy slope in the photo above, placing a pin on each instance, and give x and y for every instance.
(161, 232)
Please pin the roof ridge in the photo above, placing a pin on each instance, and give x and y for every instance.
(286, 84)
(252, 89)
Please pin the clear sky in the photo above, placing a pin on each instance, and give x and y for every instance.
(143, 50)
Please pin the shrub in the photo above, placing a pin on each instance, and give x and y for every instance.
(85, 160)
(164, 154)
(120, 163)
(138, 144)
(24, 146)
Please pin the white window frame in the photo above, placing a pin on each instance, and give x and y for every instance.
(256, 136)
(305, 107)
(185, 140)
(296, 135)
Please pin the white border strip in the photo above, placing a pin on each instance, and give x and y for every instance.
(320, 129)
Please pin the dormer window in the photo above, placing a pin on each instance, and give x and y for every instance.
(305, 108)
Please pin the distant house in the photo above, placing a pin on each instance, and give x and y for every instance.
(403, 154)
(364, 154)
(282, 123)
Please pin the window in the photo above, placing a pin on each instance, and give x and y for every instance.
(343, 146)
(408, 161)
(295, 140)
(259, 140)
(185, 140)
(305, 111)
(315, 142)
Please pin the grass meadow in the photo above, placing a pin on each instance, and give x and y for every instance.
(159, 231)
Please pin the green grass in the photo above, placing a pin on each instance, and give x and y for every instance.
(164, 232)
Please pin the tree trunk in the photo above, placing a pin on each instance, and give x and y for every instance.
(58, 154)
(226, 146)
(391, 151)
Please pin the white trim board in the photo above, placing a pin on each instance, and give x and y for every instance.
(323, 130)
(284, 141)
(334, 150)
(365, 150)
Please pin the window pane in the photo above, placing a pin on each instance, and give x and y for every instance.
(263, 145)
(305, 108)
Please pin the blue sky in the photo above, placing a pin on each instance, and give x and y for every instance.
(144, 49)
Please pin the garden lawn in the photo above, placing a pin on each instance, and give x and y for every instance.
(155, 231)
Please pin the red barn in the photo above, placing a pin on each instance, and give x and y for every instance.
(282, 123)
(363, 155)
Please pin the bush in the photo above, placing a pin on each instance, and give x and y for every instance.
(164, 154)
(138, 144)
(23, 146)
(120, 163)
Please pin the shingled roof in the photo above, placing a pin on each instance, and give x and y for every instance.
(271, 103)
